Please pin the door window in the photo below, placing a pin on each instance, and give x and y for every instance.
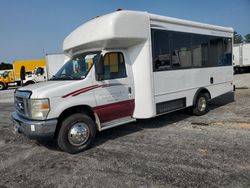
(114, 66)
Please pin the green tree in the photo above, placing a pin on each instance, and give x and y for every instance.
(247, 37)
(237, 38)
(5, 66)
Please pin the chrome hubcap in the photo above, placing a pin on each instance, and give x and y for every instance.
(202, 104)
(78, 134)
(1, 86)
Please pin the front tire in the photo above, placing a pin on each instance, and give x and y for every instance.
(29, 82)
(76, 134)
(201, 104)
(2, 86)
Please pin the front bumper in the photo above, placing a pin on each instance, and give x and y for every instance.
(34, 129)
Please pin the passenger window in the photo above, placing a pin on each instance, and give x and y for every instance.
(200, 45)
(181, 52)
(227, 51)
(114, 66)
(215, 52)
(161, 50)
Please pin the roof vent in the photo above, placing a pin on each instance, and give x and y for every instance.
(119, 9)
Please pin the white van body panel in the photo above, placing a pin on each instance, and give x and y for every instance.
(246, 54)
(115, 30)
(241, 54)
(175, 24)
(189, 82)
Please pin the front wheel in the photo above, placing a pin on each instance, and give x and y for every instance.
(76, 134)
(2, 86)
(29, 82)
(201, 104)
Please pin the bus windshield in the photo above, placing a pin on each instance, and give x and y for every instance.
(77, 67)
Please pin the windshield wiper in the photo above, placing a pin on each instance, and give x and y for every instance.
(67, 76)
(64, 77)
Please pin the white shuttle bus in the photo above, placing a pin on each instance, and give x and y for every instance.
(124, 66)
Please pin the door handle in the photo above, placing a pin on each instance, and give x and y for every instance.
(129, 90)
(211, 80)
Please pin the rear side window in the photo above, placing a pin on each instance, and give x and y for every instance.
(114, 66)
(181, 50)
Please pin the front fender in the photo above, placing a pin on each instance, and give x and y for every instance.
(60, 104)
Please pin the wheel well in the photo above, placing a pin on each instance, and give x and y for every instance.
(30, 82)
(201, 90)
(72, 110)
(4, 84)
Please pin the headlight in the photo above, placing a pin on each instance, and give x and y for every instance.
(39, 108)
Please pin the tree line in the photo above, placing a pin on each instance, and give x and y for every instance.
(239, 39)
(5, 66)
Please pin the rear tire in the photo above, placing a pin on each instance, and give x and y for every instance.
(76, 134)
(201, 104)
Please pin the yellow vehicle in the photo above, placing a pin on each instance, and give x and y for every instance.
(30, 66)
(13, 76)
(6, 78)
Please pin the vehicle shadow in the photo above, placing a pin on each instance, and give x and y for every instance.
(222, 100)
(141, 124)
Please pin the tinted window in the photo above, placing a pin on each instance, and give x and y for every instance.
(114, 66)
(174, 50)
(161, 50)
(215, 54)
(200, 50)
(227, 51)
(181, 51)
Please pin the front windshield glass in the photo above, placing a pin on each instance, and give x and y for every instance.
(77, 67)
(39, 71)
(6, 73)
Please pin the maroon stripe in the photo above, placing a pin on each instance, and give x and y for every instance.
(82, 89)
(114, 111)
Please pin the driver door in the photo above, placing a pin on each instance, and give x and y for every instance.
(114, 95)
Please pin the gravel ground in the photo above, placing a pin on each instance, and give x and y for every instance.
(7, 96)
(242, 80)
(174, 150)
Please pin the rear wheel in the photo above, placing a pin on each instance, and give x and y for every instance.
(201, 104)
(76, 134)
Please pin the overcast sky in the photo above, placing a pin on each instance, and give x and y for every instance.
(30, 28)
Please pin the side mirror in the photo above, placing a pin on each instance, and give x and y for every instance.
(99, 68)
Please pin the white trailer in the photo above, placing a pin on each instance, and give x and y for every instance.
(54, 63)
(124, 66)
(43, 73)
(241, 57)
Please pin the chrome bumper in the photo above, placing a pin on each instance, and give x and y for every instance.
(34, 129)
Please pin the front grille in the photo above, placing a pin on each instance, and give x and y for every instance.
(20, 104)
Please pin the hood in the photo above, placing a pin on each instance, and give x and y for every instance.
(50, 89)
